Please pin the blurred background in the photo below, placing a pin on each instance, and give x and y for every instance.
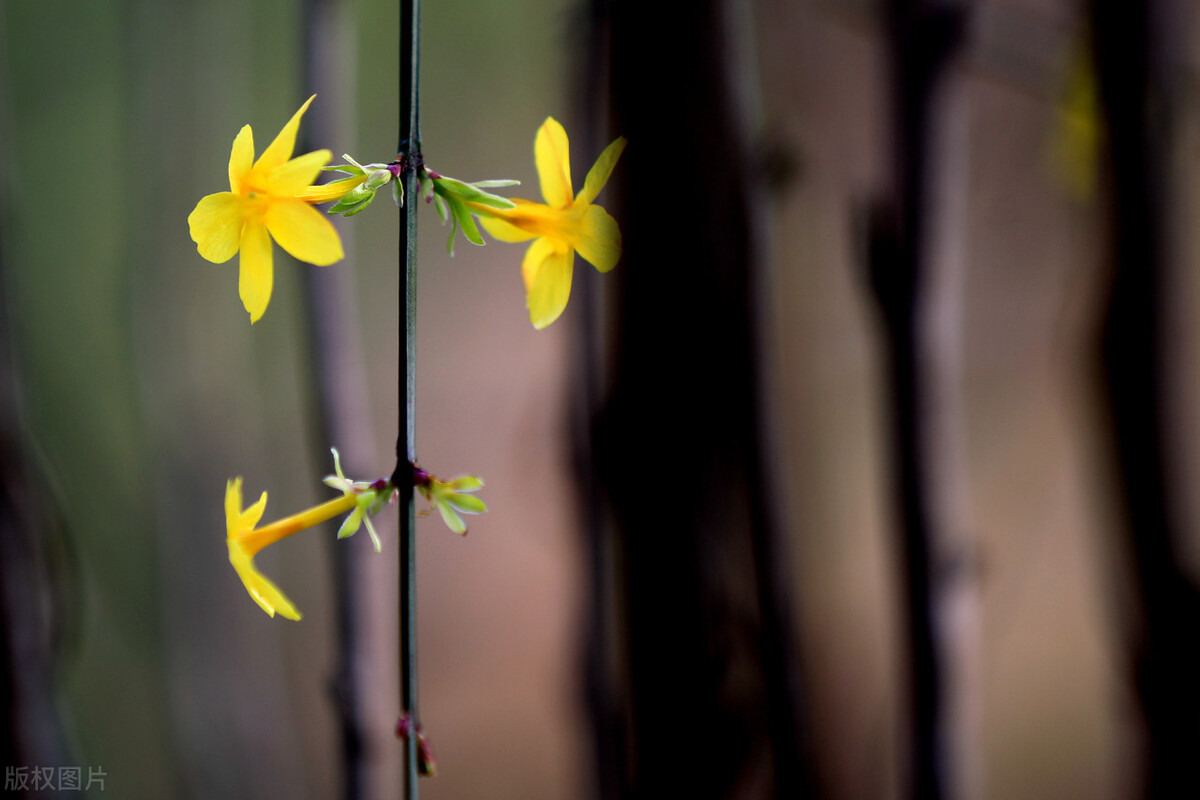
(133, 387)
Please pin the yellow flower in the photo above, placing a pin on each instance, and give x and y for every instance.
(245, 541)
(563, 224)
(264, 203)
(334, 190)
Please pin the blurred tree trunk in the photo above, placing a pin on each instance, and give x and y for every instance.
(704, 623)
(32, 604)
(340, 416)
(915, 270)
(1163, 615)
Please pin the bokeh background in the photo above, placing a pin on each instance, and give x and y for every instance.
(134, 386)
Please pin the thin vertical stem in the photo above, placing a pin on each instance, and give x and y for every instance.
(410, 154)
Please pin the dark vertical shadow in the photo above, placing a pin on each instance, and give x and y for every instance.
(336, 413)
(921, 37)
(37, 568)
(605, 690)
(705, 637)
(1163, 611)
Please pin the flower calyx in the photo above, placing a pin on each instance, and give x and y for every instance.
(369, 498)
(452, 197)
(452, 498)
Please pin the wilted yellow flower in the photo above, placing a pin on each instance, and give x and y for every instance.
(245, 541)
(263, 204)
(565, 223)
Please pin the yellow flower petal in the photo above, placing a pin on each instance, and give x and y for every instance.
(268, 596)
(535, 256)
(233, 505)
(216, 226)
(253, 514)
(304, 232)
(256, 275)
(244, 542)
(547, 273)
(551, 152)
(241, 158)
(598, 175)
(504, 231)
(333, 190)
(598, 239)
(293, 176)
(280, 150)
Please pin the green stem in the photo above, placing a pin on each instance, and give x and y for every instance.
(410, 152)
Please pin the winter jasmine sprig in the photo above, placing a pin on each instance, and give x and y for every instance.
(355, 193)
(450, 195)
(369, 499)
(564, 224)
(266, 200)
(450, 498)
(453, 199)
(362, 499)
(244, 540)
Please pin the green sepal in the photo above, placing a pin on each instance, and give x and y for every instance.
(374, 536)
(467, 503)
(398, 193)
(453, 230)
(377, 178)
(469, 192)
(359, 207)
(351, 524)
(442, 211)
(466, 483)
(453, 521)
(353, 201)
(466, 222)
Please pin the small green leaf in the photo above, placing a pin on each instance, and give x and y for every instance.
(467, 503)
(493, 184)
(493, 201)
(349, 170)
(470, 193)
(352, 523)
(353, 197)
(353, 201)
(440, 205)
(374, 536)
(466, 483)
(466, 222)
(377, 178)
(453, 230)
(359, 207)
(453, 521)
(398, 193)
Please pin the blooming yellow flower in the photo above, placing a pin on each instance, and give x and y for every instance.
(245, 541)
(264, 204)
(565, 223)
